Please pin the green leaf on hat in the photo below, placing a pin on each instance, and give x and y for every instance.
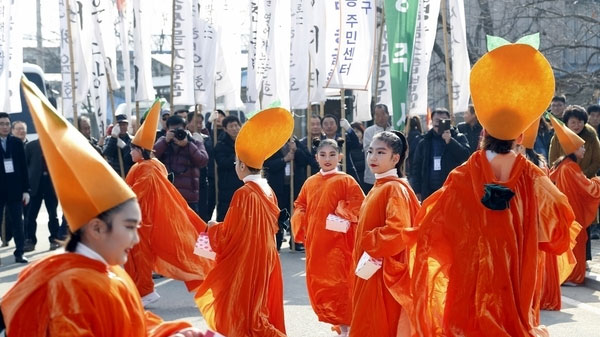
(494, 42)
(532, 40)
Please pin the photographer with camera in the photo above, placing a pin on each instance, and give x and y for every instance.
(183, 157)
(441, 150)
(116, 149)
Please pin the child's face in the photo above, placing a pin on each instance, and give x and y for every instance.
(580, 152)
(114, 245)
(380, 157)
(328, 158)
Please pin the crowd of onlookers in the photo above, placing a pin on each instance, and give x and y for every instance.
(199, 156)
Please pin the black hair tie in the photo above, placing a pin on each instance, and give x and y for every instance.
(496, 197)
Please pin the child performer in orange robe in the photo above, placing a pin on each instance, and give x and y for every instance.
(386, 215)
(476, 257)
(83, 291)
(243, 295)
(583, 193)
(169, 226)
(329, 263)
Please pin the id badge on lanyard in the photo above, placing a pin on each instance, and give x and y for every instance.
(8, 166)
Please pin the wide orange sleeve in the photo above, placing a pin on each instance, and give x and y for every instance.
(299, 221)
(389, 239)
(349, 208)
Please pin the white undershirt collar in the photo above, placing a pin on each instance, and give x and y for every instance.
(260, 181)
(391, 173)
(323, 173)
(86, 251)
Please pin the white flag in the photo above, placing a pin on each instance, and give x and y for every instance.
(332, 38)
(103, 20)
(228, 67)
(99, 87)
(142, 58)
(205, 54)
(11, 58)
(461, 66)
(276, 79)
(427, 17)
(124, 39)
(299, 57)
(183, 54)
(354, 64)
(362, 104)
(317, 50)
(252, 101)
(384, 85)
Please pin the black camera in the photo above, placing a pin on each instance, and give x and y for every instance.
(445, 124)
(179, 134)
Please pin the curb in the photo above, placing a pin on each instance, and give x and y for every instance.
(592, 280)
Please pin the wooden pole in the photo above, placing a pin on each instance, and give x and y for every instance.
(378, 63)
(343, 116)
(172, 58)
(447, 59)
(72, 64)
(137, 115)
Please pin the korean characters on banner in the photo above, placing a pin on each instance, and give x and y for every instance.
(299, 55)
(461, 66)
(354, 61)
(317, 30)
(183, 54)
(205, 54)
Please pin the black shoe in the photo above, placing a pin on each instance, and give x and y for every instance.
(28, 247)
(299, 247)
(21, 259)
(54, 245)
(4, 243)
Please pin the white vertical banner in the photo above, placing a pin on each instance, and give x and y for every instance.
(384, 84)
(228, 66)
(316, 33)
(461, 65)
(11, 57)
(124, 10)
(362, 104)
(142, 58)
(252, 99)
(205, 54)
(99, 87)
(276, 79)
(183, 54)
(299, 55)
(354, 63)
(426, 28)
(65, 62)
(103, 20)
(332, 38)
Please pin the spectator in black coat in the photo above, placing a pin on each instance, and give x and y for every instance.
(228, 181)
(471, 128)
(437, 154)
(117, 146)
(415, 134)
(315, 132)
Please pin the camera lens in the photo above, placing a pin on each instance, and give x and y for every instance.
(180, 134)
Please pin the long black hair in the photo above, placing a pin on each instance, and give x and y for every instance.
(146, 154)
(396, 141)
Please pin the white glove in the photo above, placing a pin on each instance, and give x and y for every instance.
(213, 116)
(25, 198)
(120, 143)
(115, 131)
(345, 124)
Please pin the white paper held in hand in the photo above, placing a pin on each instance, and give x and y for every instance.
(367, 266)
(337, 224)
(202, 247)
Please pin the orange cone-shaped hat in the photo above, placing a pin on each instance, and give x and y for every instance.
(511, 86)
(263, 135)
(568, 139)
(530, 135)
(146, 134)
(84, 182)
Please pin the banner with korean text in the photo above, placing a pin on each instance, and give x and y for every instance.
(205, 54)
(384, 85)
(461, 66)
(356, 45)
(400, 18)
(299, 55)
(317, 26)
(183, 54)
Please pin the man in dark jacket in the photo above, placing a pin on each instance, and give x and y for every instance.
(228, 181)
(41, 190)
(471, 128)
(183, 157)
(117, 147)
(14, 192)
(437, 154)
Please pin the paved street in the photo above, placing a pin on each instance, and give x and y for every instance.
(580, 315)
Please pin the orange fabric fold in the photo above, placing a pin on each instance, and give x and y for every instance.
(168, 231)
(381, 303)
(475, 271)
(329, 263)
(584, 198)
(243, 294)
(71, 295)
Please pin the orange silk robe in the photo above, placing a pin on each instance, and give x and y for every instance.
(386, 217)
(475, 271)
(329, 262)
(71, 295)
(584, 197)
(243, 295)
(168, 231)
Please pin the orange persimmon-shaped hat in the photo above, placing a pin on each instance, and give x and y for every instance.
(263, 135)
(511, 86)
(146, 134)
(530, 135)
(568, 139)
(84, 182)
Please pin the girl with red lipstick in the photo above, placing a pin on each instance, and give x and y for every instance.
(329, 266)
(386, 216)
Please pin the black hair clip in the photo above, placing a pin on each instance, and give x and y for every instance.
(496, 197)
